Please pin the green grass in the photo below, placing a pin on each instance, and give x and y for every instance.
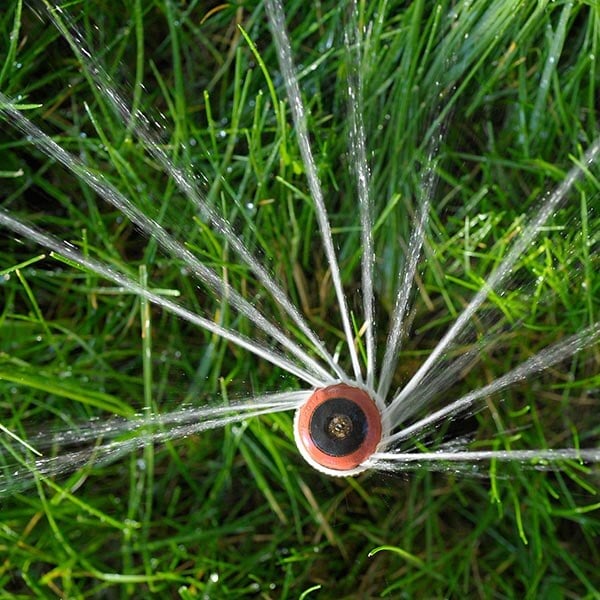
(236, 513)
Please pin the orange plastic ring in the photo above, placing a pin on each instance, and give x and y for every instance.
(339, 427)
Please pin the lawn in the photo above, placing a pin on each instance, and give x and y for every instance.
(483, 108)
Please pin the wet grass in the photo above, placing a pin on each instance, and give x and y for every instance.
(235, 512)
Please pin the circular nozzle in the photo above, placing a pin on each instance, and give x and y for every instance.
(338, 428)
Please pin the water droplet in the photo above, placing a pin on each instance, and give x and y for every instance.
(214, 577)
(222, 133)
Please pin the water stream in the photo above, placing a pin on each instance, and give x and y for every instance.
(70, 252)
(284, 51)
(533, 227)
(358, 159)
(145, 429)
(154, 230)
(187, 182)
(538, 362)
(307, 359)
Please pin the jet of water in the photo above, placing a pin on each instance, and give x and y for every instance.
(280, 37)
(153, 229)
(71, 253)
(146, 429)
(407, 461)
(137, 122)
(548, 207)
(358, 155)
(538, 362)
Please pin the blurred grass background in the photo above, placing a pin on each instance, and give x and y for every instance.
(235, 513)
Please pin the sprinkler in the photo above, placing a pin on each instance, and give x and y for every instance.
(338, 428)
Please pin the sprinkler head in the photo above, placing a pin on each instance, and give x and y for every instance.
(338, 429)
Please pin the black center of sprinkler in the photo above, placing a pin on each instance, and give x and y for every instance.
(338, 427)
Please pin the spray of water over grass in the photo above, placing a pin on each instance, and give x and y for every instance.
(235, 512)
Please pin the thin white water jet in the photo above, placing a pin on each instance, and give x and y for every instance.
(20, 474)
(276, 18)
(358, 156)
(545, 458)
(188, 415)
(137, 122)
(445, 377)
(98, 182)
(406, 275)
(70, 252)
(500, 273)
(540, 361)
